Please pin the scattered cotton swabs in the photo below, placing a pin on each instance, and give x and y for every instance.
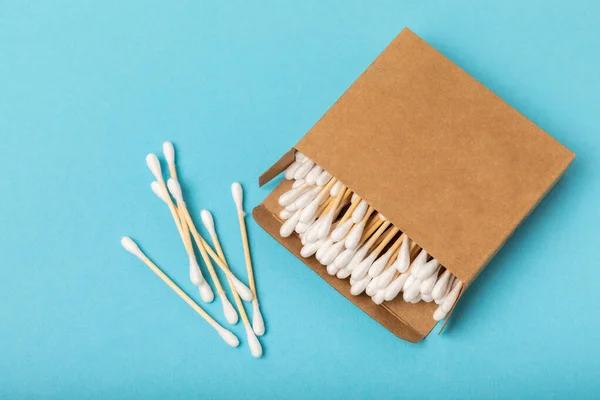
(186, 227)
(133, 248)
(352, 240)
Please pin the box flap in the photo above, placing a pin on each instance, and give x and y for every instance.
(445, 159)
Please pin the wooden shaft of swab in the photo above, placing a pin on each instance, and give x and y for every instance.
(350, 210)
(388, 238)
(368, 232)
(180, 292)
(247, 256)
(395, 250)
(337, 200)
(185, 216)
(236, 296)
(324, 207)
(377, 234)
(206, 251)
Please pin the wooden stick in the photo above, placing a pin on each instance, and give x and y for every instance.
(132, 247)
(238, 196)
(350, 209)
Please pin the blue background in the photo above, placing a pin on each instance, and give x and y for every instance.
(87, 89)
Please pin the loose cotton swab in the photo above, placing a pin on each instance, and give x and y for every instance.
(228, 310)
(133, 248)
(254, 343)
(258, 324)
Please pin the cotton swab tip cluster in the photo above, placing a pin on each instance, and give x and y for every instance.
(353, 240)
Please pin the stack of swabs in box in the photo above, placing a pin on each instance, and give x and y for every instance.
(353, 240)
(167, 191)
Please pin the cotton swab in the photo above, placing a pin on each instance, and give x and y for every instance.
(254, 343)
(244, 292)
(133, 248)
(160, 189)
(238, 197)
(228, 310)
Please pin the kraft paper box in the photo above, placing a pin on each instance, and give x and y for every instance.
(442, 157)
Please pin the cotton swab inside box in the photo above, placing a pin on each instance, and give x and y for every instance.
(347, 236)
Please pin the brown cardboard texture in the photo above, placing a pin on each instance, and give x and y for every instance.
(442, 157)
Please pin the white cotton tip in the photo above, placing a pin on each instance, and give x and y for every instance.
(310, 249)
(291, 195)
(156, 189)
(310, 210)
(403, 261)
(354, 236)
(386, 277)
(416, 299)
(331, 269)
(300, 156)
(175, 190)
(304, 169)
(429, 282)
(342, 273)
(379, 297)
(298, 183)
(258, 324)
(169, 152)
(154, 166)
(327, 243)
(452, 296)
(359, 286)
(439, 289)
(195, 274)
(426, 297)
(305, 198)
(408, 282)
(359, 212)
(335, 189)
(418, 263)
(363, 267)
(228, 337)
(129, 245)
(379, 264)
(230, 314)
(208, 222)
(359, 256)
(311, 177)
(413, 291)
(291, 170)
(331, 254)
(287, 228)
(325, 226)
(285, 214)
(344, 258)
(238, 195)
(312, 234)
(324, 179)
(352, 281)
(428, 269)
(394, 288)
(439, 314)
(354, 197)
(302, 227)
(381, 217)
(206, 292)
(243, 290)
(254, 344)
(372, 287)
(340, 232)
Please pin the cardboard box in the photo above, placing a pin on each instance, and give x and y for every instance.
(442, 157)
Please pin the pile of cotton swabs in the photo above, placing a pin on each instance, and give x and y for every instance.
(185, 226)
(350, 238)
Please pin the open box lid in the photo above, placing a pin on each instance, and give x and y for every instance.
(442, 157)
